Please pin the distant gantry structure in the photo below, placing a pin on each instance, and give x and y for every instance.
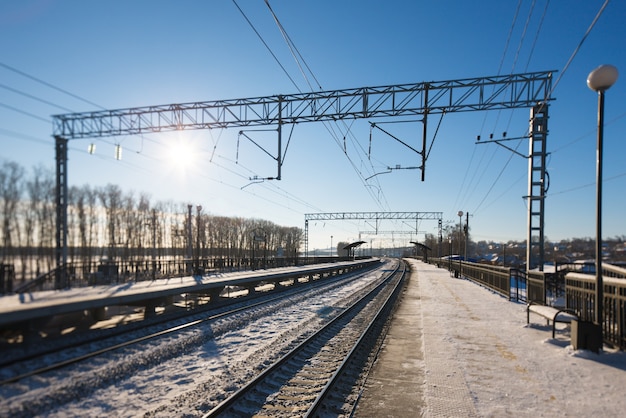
(527, 90)
(372, 216)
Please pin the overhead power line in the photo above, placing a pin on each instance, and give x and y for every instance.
(52, 86)
(23, 112)
(580, 44)
(267, 46)
(30, 96)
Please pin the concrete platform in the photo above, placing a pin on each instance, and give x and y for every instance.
(456, 349)
(23, 307)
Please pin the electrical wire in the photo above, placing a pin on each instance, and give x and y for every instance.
(23, 112)
(520, 43)
(292, 47)
(554, 85)
(463, 186)
(35, 98)
(537, 32)
(295, 53)
(282, 194)
(52, 86)
(580, 44)
(14, 134)
(266, 46)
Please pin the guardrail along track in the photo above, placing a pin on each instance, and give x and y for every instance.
(328, 362)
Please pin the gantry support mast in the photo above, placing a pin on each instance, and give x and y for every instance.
(537, 186)
(419, 99)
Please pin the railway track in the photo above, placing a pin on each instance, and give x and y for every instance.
(187, 369)
(66, 354)
(318, 376)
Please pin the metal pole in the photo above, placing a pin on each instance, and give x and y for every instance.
(253, 244)
(599, 281)
(424, 131)
(280, 136)
(189, 240)
(460, 213)
(466, 234)
(61, 212)
(154, 221)
(450, 254)
(198, 209)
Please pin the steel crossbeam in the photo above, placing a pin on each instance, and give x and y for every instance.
(417, 99)
(371, 215)
(484, 93)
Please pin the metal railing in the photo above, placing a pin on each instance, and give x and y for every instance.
(510, 282)
(580, 290)
(82, 274)
(567, 287)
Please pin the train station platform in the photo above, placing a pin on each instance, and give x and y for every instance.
(455, 349)
(42, 305)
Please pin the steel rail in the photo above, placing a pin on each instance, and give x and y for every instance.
(227, 403)
(381, 316)
(170, 330)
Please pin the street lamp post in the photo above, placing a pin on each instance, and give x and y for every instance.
(460, 213)
(600, 80)
(450, 254)
(331, 246)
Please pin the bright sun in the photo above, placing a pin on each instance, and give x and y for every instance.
(181, 155)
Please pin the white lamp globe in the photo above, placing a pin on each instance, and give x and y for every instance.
(602, 77)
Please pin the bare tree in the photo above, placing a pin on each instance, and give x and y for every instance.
(10, 193)
(111, 199)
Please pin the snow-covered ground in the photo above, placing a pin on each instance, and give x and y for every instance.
(184, 374)
(481, 354)
(480, 359)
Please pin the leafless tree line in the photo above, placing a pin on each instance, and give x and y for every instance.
(109, 223)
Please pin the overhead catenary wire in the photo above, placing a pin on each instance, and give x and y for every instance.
(295, 53)
(294, 50)
(561, 73)
(23, 112)
(459, 199)
(523, 36)
(283, 194)
(52, 86)
(267, 46)
(30, 96)
(109, 142)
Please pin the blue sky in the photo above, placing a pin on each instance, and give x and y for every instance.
(119, 54)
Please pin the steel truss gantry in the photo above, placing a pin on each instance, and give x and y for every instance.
(371, 216)
(419, 99)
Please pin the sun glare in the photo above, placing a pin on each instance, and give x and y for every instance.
(181, 155)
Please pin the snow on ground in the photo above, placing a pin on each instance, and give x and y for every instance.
(177, 375)
(482, 346)
(480, 359)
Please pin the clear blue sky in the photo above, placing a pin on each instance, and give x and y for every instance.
(119, 54)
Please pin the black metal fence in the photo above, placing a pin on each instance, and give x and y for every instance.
(580, 290)
(118, 272)
(571, 286)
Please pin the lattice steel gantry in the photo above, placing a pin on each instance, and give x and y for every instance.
(377, 216)
(418, 99)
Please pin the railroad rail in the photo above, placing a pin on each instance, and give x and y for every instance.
(329, 361)
(163, 326)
